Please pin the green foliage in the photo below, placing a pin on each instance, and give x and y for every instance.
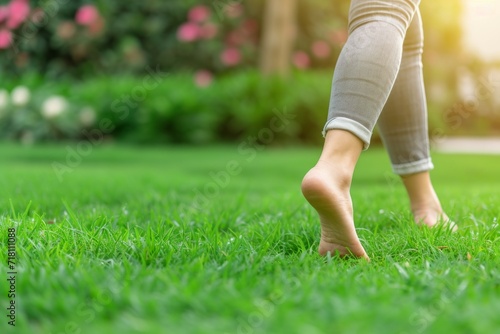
(161, 108)
(138, 34)
(176, 110)
(133, 34)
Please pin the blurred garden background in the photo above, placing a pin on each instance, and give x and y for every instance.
(200, 72)
(151, 154)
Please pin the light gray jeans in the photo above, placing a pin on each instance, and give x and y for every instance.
(378, 77)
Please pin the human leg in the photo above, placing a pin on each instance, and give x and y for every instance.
(368, 64)
(425, 205)
(404, 131)
(363, 79)
(326, 187)
(403, 121)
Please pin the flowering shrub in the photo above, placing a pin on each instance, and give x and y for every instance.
(230, 32)
(50, 37)
(81, 39)
(229, 37)
(12, 16)
(78, 39)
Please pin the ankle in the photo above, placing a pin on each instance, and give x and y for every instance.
(342, 148)
(340, 173)
(325, 179)
(421, 191)
(425, 206)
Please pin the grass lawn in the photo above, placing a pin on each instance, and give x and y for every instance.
(143, 240)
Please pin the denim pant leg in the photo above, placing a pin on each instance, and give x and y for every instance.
(368, 64)
(403, 122)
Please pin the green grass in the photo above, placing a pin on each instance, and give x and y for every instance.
(125, 244)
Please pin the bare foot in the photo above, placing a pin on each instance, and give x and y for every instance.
(432, 215)
(326, 188)
(425, 204)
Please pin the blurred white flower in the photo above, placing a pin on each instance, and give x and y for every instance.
(4, 99)
(54, 106)
(20, 96)
(87, 116)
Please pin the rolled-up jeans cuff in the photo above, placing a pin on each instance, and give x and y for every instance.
(413, 167)
(350, 125)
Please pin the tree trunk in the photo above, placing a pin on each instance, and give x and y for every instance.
(279, 30)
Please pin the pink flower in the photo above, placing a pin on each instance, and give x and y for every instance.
(301, 60)
(321, 49)
(233, 9)
(19, 10)
(231, 57)
(199, 14)
(188, 32)
(203, 78)
(208, 31)
(4, 13)
(86, 15)
(5, 38)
